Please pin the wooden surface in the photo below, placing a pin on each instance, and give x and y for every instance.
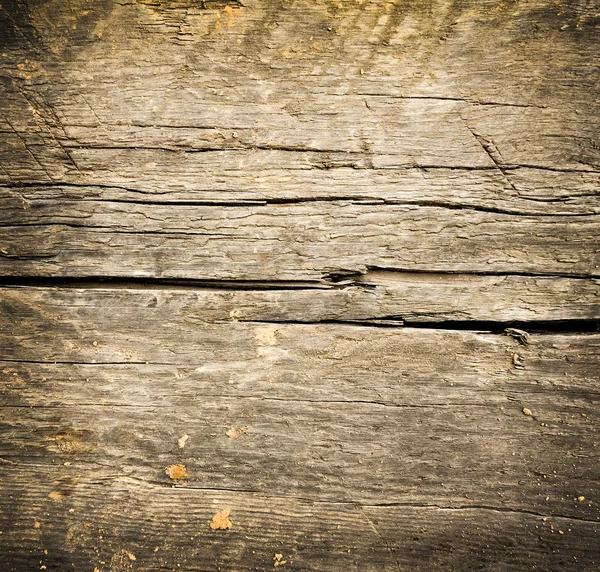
(330, 265)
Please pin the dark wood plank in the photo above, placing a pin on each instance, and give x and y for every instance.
(101, 522)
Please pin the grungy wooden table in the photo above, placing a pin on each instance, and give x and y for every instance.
(299, 284)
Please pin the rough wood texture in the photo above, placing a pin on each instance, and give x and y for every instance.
(342, 425)
(295, 232)
(379, 298)
(287, 242)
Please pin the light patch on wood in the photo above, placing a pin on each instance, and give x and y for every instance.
(220, 521)
(266, 336)
(271, 353)
(71, 443)
(182, 441)
(235, 315)
(56, 496)
(236, 432)
(176, 472)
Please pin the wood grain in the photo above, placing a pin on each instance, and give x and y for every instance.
(322, 389)
(296, 233)
(288, 242)
(310, 536)
(380, 297)
(335, 420)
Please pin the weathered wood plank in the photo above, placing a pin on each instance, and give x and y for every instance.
(101, 522)
(366, 125)
(101, 102)
(305, 241)
(273, 176)
(406, 439)
(433, 454)
(377, 297)
(355, 400)
(473, 126)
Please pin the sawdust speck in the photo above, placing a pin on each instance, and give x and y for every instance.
(56, 496)
(176, 472)
(220, 521)
(236, 432)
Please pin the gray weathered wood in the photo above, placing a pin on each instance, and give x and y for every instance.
(306, 241)
(353, 399)
(336, 420)
(266, 184)
(378, 297)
